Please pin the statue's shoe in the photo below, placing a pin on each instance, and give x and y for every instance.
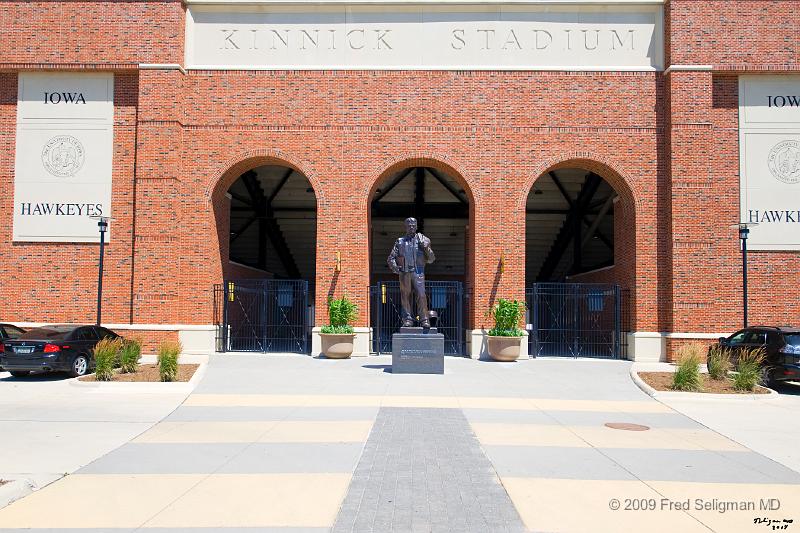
(425, 323)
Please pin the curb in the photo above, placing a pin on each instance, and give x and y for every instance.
(17, 489)
(147, 387)
(677, 395)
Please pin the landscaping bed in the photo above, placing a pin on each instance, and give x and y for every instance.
(662, 381)
(148, 373)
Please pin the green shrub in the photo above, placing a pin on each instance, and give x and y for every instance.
(687, 375)
(718, 362)
(341, 312)
(507, 316)
(129, 355)
(106, 354)
(168, 354)
(748, 369)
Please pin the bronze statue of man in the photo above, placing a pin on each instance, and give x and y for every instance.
(407, 260)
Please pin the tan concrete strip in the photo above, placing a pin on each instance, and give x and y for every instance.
(270, 431)
(602, 437)
(203, 432)
(734, 506)
(339, 431)
(280, 400)
(97, 501)
(611, 406)
(472, 402)
(258, 500)
(567, 505)
(84, 501)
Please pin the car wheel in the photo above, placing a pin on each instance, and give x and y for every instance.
(19, 373)
(79, 366)
(769, 377)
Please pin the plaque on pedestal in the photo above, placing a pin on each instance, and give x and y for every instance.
(417, 351)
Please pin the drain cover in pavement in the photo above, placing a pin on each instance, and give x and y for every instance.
(627, 426)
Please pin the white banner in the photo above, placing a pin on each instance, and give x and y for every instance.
(65, 143)
(769, 143)
(440, 37)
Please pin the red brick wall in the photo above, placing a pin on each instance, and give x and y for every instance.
(667, 143)
(735, 34)
(48, 33)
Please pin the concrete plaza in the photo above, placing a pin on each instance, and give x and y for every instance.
(292, 443)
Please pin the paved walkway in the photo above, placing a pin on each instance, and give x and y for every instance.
(50, 427)
(284, 443)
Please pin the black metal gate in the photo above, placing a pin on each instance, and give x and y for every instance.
(262, 316)
(444, 297)
(574, 320)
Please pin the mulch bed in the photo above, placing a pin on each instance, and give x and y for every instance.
(662, 381)
(148, 373)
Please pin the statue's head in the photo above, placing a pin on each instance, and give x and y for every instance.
(411, 225)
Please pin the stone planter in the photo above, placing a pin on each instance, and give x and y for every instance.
(337, 345)
(504, 349)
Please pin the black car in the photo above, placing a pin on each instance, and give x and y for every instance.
(782, 345)
(52, 349)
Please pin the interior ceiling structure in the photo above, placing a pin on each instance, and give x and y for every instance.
(442, 209)
(274, 212)
(274, 222)
(559, 203)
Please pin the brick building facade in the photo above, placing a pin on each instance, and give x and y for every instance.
(666, 140)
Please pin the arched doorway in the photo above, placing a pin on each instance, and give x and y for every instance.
(270, 268)
(436, 197)
(569, 225)
(579, 265)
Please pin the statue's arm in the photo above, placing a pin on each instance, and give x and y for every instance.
(392, 260)
(426, 247)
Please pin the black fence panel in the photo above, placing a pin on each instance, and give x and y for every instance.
(262, 316)
(444, 297)
(575, 320)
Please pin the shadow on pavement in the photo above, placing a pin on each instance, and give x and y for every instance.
(385, 368)
(42, 376)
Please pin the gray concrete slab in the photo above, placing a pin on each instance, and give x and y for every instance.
(555, 462)
(702, 466)
(161, 458)
(299, 457)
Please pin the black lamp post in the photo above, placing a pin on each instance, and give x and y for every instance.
(744, 231)
(102, 225)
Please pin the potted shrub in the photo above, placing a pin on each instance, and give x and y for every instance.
(505, 336)
(338, 336)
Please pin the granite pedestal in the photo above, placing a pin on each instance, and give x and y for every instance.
(418, 351)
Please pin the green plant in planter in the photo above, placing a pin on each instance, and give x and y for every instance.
(507, 317)
(718, 362)
(749, 370)
(341, 311)
(168, 354)
(687, 374)
(129, 355)
(105, 358)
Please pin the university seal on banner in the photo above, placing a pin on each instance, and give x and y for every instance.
(784, 161)
(63, 156)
